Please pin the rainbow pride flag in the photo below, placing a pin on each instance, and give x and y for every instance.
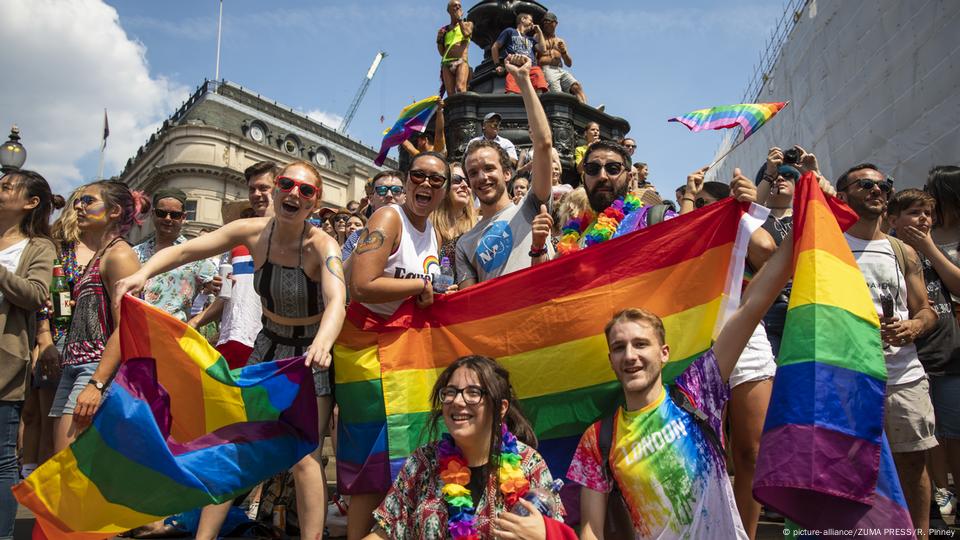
(413, 119)
(824, 461)
(749, 116)
(177, 430)
(545, 324)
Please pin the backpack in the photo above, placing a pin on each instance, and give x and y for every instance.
(899, 253)
(618, 525)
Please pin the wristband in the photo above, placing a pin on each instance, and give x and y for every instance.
(538, 252)
(688, 199)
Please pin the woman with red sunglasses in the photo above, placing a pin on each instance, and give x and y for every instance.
(299, 277)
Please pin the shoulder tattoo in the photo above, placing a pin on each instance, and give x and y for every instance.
(369, 241)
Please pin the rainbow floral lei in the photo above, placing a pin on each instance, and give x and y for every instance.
(455, 474)
(600, 230)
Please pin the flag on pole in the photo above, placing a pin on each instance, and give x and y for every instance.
(176, 430)
(824, 461)
(413, 119)
(749, 116)
(106, 130)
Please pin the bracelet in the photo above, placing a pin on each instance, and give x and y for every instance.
(538, 252)
(425, 283)
(688, 199)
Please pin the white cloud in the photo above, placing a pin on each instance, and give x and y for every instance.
(329, 119)
(68, 61)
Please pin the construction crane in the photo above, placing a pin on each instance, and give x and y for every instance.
(362, 91)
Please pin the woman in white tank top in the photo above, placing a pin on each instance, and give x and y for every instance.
(396, 258)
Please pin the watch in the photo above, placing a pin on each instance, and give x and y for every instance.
(97, 384)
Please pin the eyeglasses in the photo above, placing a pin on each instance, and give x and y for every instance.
(630, 146)
(286, 185)
(342, 217)
(383, 190)
(84, 200)
(613, 168)
(457, 179)
(867, 185)
(418, 177)
(163, 214)
(471, 394)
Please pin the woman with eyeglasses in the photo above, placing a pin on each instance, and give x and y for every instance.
(106, 211)
(466, 484)
(26, 268)
(456, 214)
(396, 258)
(751, 381)
(299, 277)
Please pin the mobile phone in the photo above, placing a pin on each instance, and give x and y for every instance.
(886, 303)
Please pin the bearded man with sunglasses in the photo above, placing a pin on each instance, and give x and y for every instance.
(894, 276)
(175, 290)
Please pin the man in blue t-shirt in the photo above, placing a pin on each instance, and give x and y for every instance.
(520, 41)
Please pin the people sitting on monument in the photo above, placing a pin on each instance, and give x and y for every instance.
(491, 132)
(526, 39)
(630, 145)
(591, 134)
(453, 44)
(500, 242)
(427, 142)
(554, 57)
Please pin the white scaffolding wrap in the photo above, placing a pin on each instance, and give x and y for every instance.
(871, 82)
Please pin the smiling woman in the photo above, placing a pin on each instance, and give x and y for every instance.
(299, 277)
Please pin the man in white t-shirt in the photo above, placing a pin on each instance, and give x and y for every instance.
(491, 132)
(895, 279)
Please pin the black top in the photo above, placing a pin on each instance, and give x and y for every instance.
(939, 351)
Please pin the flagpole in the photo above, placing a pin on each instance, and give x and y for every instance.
(216, 76)
(103, 146)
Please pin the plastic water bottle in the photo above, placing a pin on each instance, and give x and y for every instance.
(443, 282)
(542, 499)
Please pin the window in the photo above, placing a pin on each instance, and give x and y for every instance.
(257, 132)
(291, 146)
(191, 209)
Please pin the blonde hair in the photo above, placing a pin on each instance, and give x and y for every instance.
(451, 223)
(65, 229)
(571, 205)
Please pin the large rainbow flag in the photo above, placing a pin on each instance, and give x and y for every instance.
(545, 324)
(824, 461)
(177, 430)
(749, 116)
(413, 119)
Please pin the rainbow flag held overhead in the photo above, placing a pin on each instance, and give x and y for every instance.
(177, 430)
(413, 119)
(545, 324)
(749, 116)
(824, 461)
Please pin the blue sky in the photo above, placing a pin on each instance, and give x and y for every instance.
(647, 61)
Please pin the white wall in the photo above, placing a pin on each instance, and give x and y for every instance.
(868, 80)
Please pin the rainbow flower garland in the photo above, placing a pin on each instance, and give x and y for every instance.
(455, 474)
(600, 230)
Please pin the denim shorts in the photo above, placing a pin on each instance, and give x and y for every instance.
(945, 394)
(72, 381)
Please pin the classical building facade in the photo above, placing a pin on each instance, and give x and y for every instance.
(224, 128)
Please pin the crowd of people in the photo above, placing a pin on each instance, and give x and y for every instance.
(276, 283)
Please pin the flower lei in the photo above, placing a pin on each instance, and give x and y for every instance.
(600, 230)
(455, 474)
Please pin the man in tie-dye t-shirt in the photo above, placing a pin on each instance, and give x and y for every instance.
(672, 477)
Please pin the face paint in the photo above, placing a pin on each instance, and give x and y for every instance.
(96, 211)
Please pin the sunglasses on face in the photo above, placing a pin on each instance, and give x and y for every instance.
(418, 177)
(286, 185)
(471, 394)
(84, 200)
(630, 146)
(172, 214)
(613, 168)
(868, 185)
(383, 190)
(457, 179)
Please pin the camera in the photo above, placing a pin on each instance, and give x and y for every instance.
(791, 156)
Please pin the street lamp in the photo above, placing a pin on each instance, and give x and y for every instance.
(12, 154)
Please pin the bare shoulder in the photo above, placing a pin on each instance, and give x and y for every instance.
(322, 242)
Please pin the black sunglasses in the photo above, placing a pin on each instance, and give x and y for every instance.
(457, 179)
(867, 185)
(163, 214)
(418, 177)
(613, 168)
(383, 190)
(342, 217)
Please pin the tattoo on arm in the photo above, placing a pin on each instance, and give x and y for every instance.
(335, 266)
(369, 241)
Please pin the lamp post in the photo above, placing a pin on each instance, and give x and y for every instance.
(12, 153)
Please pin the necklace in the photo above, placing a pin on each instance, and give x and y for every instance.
(600, 230)
(455, 475)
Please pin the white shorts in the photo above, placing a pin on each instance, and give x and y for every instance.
(558, 79)
(756, 362)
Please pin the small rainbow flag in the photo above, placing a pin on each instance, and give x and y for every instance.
(413, 119)
(176, 431)
(547, 319)
(749, 116)
(824, 461)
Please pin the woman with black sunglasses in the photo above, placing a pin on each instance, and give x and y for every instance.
(299, 277)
